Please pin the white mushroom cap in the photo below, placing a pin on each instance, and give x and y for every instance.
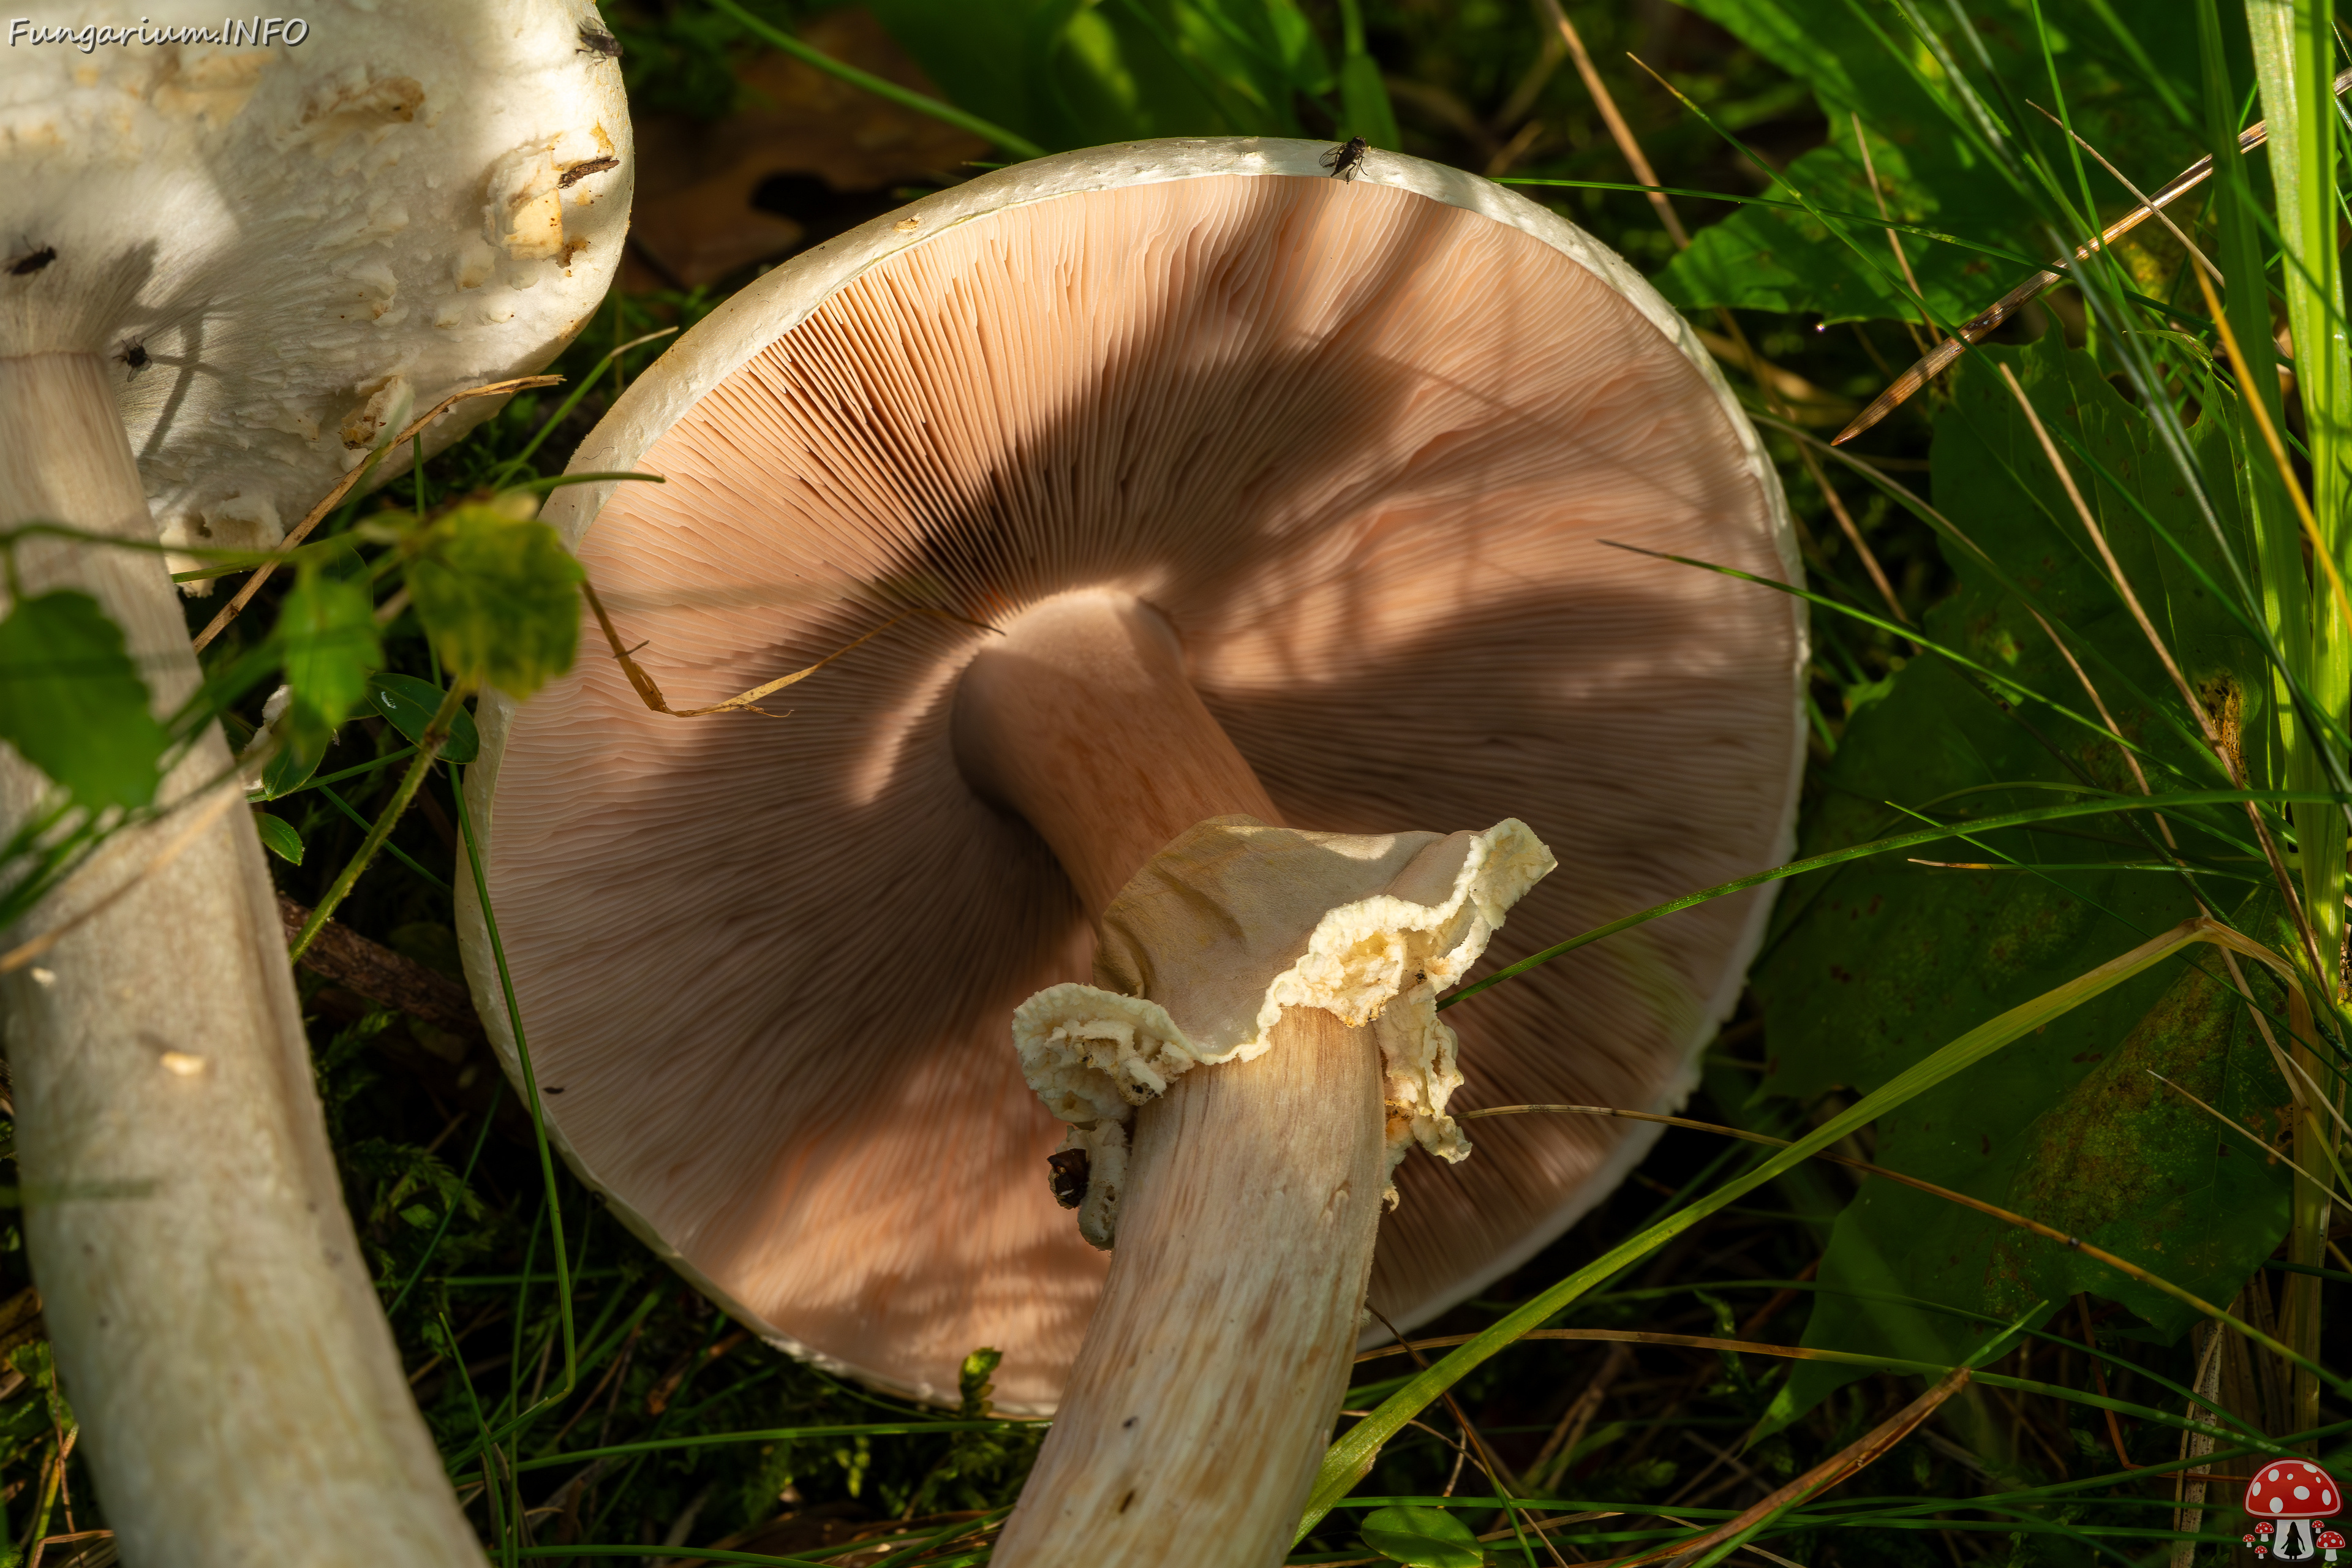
(301, 241)
(1359, 445)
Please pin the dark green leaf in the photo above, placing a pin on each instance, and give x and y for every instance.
(1422, 1537)
(410, 703)
(1933, 165)
(1874, 966)
(1763, 258)
(301, 751)
(498, 594)
(278, 836)
(72, 704)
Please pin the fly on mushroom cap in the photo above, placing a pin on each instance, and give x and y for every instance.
(1337, 459)
(301, 239)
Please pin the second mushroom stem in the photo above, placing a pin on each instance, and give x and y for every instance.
(1216, 1359)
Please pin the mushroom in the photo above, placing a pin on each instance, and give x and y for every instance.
(1285, 498)
(2293, 1494)
(221, 266)
(2331, 1541)
(272, 251)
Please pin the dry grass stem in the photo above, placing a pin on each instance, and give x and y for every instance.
(1840, 1467)
(2163, 217)
(746, 701)
(2213, 738)
(1977, 328)
(1894, 240)
(1619, 132)
(334, 497)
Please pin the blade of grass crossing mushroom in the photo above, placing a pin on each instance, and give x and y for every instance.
(2107, 804)
(521, 462)
(1020, 146)
(1350, 1458)
(531, 1097)
(2008, 687)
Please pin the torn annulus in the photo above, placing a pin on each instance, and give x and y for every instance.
(1235, 920)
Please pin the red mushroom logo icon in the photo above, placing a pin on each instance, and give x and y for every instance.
(2294, 1498)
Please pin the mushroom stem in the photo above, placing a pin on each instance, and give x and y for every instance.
(1080, 719)
(1214, 1362)
(1218, 1354)
(239, 1392)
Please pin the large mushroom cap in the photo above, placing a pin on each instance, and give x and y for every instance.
(1359, 443)
(279, 245)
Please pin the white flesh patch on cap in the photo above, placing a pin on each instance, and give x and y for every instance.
(1233, 921)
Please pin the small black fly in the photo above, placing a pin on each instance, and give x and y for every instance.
(595, 42)
(26, 265)
(133, 354)
(1069, 1178)
(1344, 160)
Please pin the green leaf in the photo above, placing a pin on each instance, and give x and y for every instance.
(1769, 259)
(300, 752)
(72, 704)
(327, 628)
(410, 703)
(1422, 1538)
(1872, 966)
(278, 836)
(498, 594)
(1934, 166)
